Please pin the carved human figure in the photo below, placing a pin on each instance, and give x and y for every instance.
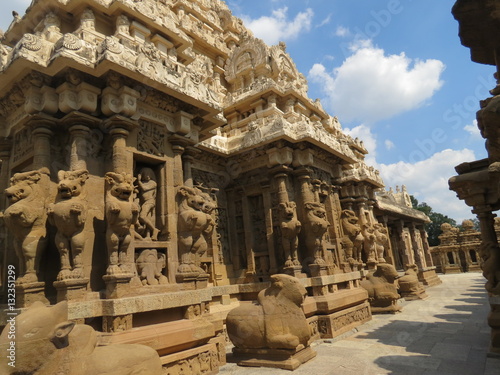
(277, 321)
(369, 245)
(195, 225)
(381, 288)
(353, 239)
(48, 343)
(381, 241)
(316, 226)
(68, 215)
(26, 219)
(150, 265)
(121, 214)
(290, 229)
(147, 198)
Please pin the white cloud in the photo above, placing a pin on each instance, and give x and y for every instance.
(365, 134)
(353, 90)
(389, 145)
(277, 27)
(342, 31)
(326, 21)
(473, 130)
(428, 179)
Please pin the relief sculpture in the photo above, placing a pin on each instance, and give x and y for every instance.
(68, 215)
(290, 229)
(316, 226)
(25, 218)
(147, 199)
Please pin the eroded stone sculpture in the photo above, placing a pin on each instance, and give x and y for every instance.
(150, 265)
(68, 215)
(381, 241)
(290, 229)
(316, 226)
(275, 322)
(26, 219)
(121, 214)
(382, 290)
(147, 198)
(353, 239)
(409, 285)
(195, 225)
(369, 244)
(47, 343)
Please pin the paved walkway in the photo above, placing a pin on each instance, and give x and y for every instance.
(446, 334)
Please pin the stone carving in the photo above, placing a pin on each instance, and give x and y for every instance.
(316, 226)
(25, 218)
(121, 214)
(382, 291)
(290, 228)
(68, 215)
(369, 244)
(195, 225)
(276, 321)
(381, 241)
(409, 285)
(353, 239)
(489, 253)
(150, 265)
(147, 198)
(47, 343)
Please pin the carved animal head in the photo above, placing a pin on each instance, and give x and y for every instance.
(349, 216)
(120, 185)
(288, 287)
(386, 271)
(209, 205)
(316, 209)
(40, 331)
(287, 210)
(71, 183)
(192, 197)
(21, 185)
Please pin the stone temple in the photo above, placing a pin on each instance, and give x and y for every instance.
(159, 164)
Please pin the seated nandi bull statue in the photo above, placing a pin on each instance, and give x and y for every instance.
(26, 219)
(47, 343)
(273, 326)
(409, 285)
(121, 214)
(382, 291)
(68, 215)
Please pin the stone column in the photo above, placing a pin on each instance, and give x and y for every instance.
(42, 137)
(415, 247)
(178, 173)
(5, 150)
(405, 251)
(187, 158)
(266, 195)
(79, 138)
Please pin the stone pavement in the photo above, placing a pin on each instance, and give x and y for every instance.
(446, 334)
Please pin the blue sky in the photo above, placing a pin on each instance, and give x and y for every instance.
(395, 74)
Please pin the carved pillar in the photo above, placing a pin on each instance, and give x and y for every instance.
(427, 250)
(404, 251)
(42, 136)
(5, 150)
(79, 138)
(266, 194)
(247, 223)
(415, 247)
(282, 190)
(306, 193)
(178, 173)
(187, 158)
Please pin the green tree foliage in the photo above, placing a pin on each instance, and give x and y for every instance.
(434, 227)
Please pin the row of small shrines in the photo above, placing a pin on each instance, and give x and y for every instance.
(459, 249)
(274, 332)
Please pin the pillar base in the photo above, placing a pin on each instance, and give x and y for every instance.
(318, 270)
(295, 271)
(71, 289)
(192, 281)
(117, 286)
(274, 358)
(27, 294)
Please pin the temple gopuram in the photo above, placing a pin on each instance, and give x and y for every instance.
(159, 164)
(477, 181)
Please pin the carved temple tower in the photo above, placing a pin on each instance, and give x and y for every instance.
(160, 163)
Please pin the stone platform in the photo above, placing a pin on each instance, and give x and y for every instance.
(446, 334)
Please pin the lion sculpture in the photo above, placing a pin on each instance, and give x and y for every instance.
(195, 226)
(290, 229)
(353, 239)
(382, 290)
(68, 215)
(316, 226)
(26, 219)
(121, 214)
(276, 321)
(47, 344)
